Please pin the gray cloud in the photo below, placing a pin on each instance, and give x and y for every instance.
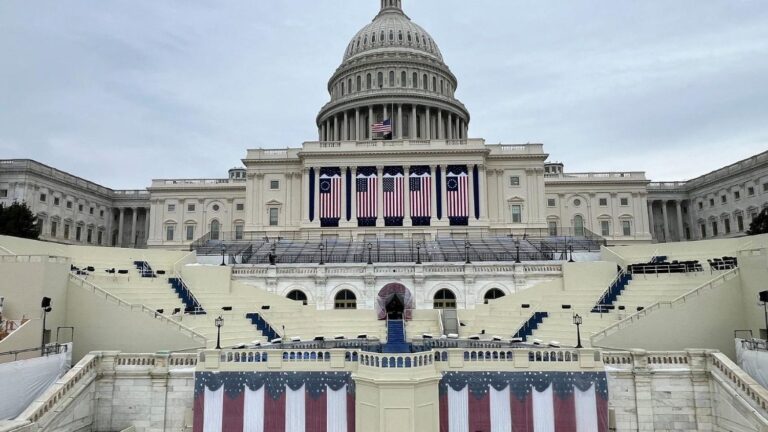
(124, 91)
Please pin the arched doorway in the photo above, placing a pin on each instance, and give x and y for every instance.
(345, 299)
(444, 299)
(394, 301)
(578, 226)
(493, 294)
(215, 228)
(298, 295)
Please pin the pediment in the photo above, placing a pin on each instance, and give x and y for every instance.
(274, 203)
(515, 199)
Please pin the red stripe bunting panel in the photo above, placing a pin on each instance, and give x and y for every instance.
(367, 190)
(330, 196)
(274, 402)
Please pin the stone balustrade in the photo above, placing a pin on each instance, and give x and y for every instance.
(34, 259)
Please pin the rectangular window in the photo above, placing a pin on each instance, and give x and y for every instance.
(727, 224)
(99, 237)
(43, 197)
(711, 202)
(552, 228)
(605, 228)
(751, 191)
(3, 193)
(79, 207)
(240, 207)
(701, 205)
(603, 202)
(69, 204)
(78, 233)
(740, 223)
(517, 214)
(714, 229)
(765, 187)
(551, 202)
(514, 181)
(273, 217)
(624, 201)
(169, 231)
(190, 207)
(626, 228)
(190, 232)
(239, 232)
(66, 231)
(56, 201)
(101, 213)
(89, 236)
(723, 199)
(274, 184)
(171, 208)
(736, 195)
(54, 225)
(703, 231)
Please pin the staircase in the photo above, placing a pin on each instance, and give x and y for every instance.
(532, 324)
(144, 269)
(191, 305)
(262, 325)
(612, 293)
(396, 338)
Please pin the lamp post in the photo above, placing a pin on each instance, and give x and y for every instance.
(467, 245)
(322, 257)
(764, 300)
(370, 246)
(219, 323)
(418, 252)
(517, 249)
(577, 320)
(571, 249)
(223, 251)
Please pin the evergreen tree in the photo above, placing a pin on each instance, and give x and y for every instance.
(759, 224)
(17, 220)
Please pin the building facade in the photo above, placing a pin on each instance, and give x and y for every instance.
(393, 159)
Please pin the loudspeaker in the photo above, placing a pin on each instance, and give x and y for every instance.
(265, 307)
(622, 308)
(226, 308)
(526, 306)
(47, 301)
(566, 306)
(764, 296)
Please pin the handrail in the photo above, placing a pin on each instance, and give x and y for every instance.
(144, 308)
(440, 321)
(607, 290)
(681, 299)
(741, 380)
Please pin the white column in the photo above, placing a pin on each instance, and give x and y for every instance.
(680, 233)
(500, 201)
(345, 132)
(304, 195)
(335, 128)
(134, 219)
(386, 112)
(379, 196)
(286, 219)
(665, 220)
(482, 179)
(370, 121)
(353, 202)
(120, 226)
(399, 121)
(651, 227)
(357, 124)
(406, 197)
(449, 132)
(471, 191)
(691, 224)
(427, 125)
(317, 196)
(433, 192)
(440, 124)
(146, 225)
(343, 206)
(413, 133)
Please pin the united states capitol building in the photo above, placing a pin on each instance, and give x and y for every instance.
(393, 274)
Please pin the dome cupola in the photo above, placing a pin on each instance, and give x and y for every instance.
(392, 69)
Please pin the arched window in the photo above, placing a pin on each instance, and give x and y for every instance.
(342, 89)
(403, 79)
(400, 36)
(380, 79)
(391, 36)
(345, 299)
(409, 38)
(415, 82)
(426, 82)
(382, 37)
(391, 78)
(368, 81)
(349, 85)
(359, 83)
(365, 40)
(298, 295)
(578, 225)
(493, 294)
(434, 84)
(442, 87)
(373, 38)
(444, 299)
(215, 229)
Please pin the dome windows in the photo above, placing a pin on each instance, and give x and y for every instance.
(415, 82)
(403, 79)
(426, 82)
(410, 40)
(373, 38)
(368, 80)
(380, 79)
(391, 35)
(359, 83)
(400, 36)
(382, 36)
(391, 78)
(365, 41)
(434, 85)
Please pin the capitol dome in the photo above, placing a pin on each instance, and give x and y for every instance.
(392, 29)
(392, 70)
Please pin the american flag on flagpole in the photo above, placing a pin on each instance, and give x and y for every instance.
(420, 187)
(330, 196)
(367, 189)
(384, 127)
(456, 189)
(393, 196)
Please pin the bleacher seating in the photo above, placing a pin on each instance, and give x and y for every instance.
(191, 305)
(395, 338)
(536, 319)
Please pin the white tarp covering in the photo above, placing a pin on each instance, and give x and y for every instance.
(24, 380)
(753, 361)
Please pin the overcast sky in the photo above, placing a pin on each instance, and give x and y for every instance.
(123, 91)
